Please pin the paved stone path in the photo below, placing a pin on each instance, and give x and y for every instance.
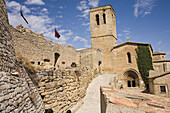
(92, 99)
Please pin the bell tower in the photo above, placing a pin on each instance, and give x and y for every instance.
(103, 34)
(103, 27)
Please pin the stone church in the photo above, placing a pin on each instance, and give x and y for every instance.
(120, 59)
(116, 59)
(104, 56)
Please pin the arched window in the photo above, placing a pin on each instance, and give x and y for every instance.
(104, 18)
(56, 56)
(99, 63)
(97, 19)
(129, 57)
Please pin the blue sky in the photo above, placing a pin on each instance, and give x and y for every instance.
(145, 21)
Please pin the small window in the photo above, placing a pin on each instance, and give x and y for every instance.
(104, 18)
(97, 19)
(46, 60)
(48, 111)
(163, 89)
(63, 62)
(73, 64)
(38, 63)
(42, 96)
(164, 67)
(99, 63)
(32, 62)
(129, 57)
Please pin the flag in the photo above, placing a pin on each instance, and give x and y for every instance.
(57, 34)
(23, 15)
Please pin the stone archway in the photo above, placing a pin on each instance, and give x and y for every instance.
(131, 78)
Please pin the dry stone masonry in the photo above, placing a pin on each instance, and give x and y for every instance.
(63, 90)
(7, 55)
(17, 92)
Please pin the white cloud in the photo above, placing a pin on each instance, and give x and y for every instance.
(65, 36)
(85, 24)
(63, 39)
(120, 40)
(93, 3)
(127, 31)
(159, 43)
(61, 7)
(37, 2)
(76, 38)
(147, 13)
(143, 7)
(84, 8)
(60, 16)
(66, 32)
(37, 23)
(124, 35)
(85, 41)
(120, 35)
(15, 7)
(136, 6)
(160, 46)
(82, 5)
(45, 10)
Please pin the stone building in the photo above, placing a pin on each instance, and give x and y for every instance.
(159, 79)
(116, 59)
(104, 56)
(160, 63)
(159, 83)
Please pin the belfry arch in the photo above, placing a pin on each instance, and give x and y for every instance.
(132, 78)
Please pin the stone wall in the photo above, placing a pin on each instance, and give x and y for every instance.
(121, 66)
(74, 70)
(17, 92)
(158, 80)
(161, 66)
(63, 90)
(7, 55)
(41, 52)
